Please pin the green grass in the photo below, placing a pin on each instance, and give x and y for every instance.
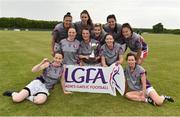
(20, 51)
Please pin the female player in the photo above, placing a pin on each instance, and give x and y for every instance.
(135, 43)
(69, 48)
(85, 22)
(140, 88)
(114, 28)
(111, 52)
(99, 34)
(88, 50)
(38, 89)
(60, 32)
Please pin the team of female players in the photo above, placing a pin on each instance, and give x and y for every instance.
(86, 44)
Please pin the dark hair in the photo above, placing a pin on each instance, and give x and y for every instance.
(89, 20)
(126, 25)
(86, 29)
(59, 52)
(111, 16)
(130, 54)
(68, 14)
(107, 35)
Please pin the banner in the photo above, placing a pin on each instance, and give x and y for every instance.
(95, 79)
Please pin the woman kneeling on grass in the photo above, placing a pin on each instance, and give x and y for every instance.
(38, 89)
(141, 89)
(111, 52)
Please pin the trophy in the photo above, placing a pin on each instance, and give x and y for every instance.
(93, 48)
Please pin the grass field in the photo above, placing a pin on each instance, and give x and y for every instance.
(20, 51)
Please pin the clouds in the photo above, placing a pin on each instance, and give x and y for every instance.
(139, 13)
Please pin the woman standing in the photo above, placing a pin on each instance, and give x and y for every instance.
(60, 32)
(85, 22)
(135, 43)
(114, 28)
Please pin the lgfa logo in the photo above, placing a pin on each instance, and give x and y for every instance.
(86, 77)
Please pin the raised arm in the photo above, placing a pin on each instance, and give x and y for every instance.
(42, 65)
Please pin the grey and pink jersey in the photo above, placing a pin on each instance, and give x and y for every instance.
(60, 32)
(100, 38)
(51, 75)
(134, 78)
(115, 32)
(79, 26)
(134, 42)
(86, 49)
(69, 49)
(111, 55)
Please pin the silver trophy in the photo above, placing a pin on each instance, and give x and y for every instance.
(93, 48)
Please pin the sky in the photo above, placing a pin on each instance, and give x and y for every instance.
(139, 13)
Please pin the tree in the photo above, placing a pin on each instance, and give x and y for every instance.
(158, 28)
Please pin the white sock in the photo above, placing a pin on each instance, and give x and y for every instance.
(163, 97)
(14, 93)
(146, 100)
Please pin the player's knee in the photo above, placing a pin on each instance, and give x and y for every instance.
(127, 95)
(40, 99)
(17, 98)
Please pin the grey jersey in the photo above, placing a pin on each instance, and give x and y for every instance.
(86, 49)
(100, 38)
(51, 75)
(79, 26)
(111, 55)
(134, 78)
(115, 32)
(70, 51)
(60, 32)
(134, 42)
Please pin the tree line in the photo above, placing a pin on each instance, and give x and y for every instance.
(23, 23)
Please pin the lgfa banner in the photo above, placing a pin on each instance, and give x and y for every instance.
(95, 79)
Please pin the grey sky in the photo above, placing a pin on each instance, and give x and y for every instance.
(139, 13)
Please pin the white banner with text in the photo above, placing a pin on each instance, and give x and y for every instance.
(95, 79)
